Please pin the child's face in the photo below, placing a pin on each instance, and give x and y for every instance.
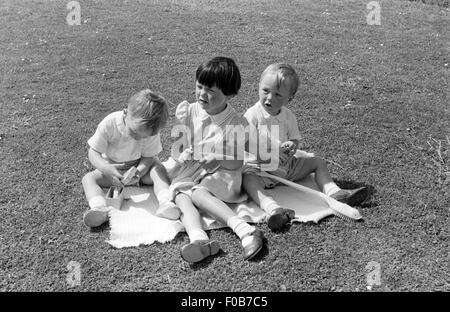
(272, 97)
(136, 129)
(211, 99)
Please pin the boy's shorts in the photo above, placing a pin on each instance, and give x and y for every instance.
(128, 164)
(290, 171)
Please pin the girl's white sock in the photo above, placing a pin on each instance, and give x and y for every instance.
(330, 188)
(239, 226)
(198, 235)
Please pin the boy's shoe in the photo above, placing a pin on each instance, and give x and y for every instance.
(95, 217)
(168, 210)
(254, 247)
(199, 250)
(279, 218)
(351, 197)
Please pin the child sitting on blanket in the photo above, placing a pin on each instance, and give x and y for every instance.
(208, 168)
(277, 87)
(124, 139)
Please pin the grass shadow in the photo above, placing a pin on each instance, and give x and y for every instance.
(369, 202)
(261, 254)
(98, 229)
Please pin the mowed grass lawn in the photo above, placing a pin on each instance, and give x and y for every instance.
(373, 101)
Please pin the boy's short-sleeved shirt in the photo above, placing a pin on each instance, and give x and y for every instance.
(285, 120)
(110, 139)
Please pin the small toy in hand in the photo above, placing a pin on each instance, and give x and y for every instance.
(131, 177)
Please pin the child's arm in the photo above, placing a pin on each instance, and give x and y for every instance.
(293, 133)
(145, 164)
(104, 166)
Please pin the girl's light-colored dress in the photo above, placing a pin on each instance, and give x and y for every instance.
(199, 133)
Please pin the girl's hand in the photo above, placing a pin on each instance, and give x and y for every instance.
(186, 155)
(209, 162)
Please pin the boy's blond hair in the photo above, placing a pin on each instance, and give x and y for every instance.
(149, 107)
(284, 71)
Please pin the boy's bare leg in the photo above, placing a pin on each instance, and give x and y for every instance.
(254, 186)
(278, 217)
(93, 182)
(158, 177)
(317, 166)
(326, 183)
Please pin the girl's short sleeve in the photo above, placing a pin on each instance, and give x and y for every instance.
(181, 113)
(179, 131)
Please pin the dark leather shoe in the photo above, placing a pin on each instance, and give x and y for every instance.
(351, 197)
(251, 249)
(279, 218)
(199, 250)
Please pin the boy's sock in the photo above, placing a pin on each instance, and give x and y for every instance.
(241, 228)
(198, 235)
(269, 205)
(97, 203)
(330, 188)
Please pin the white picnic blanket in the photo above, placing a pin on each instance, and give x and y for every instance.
(135, 223)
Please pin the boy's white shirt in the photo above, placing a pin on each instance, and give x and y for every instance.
(110, 139)
(285, 120)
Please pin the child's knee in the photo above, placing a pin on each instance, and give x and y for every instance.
(319, 162)
(247, 178)
(251, 180)
(197, 196)
(146, 179)
(159, 170)
(88, 178)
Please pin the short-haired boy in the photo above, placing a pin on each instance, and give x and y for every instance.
(277, 87)
(124, 139)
